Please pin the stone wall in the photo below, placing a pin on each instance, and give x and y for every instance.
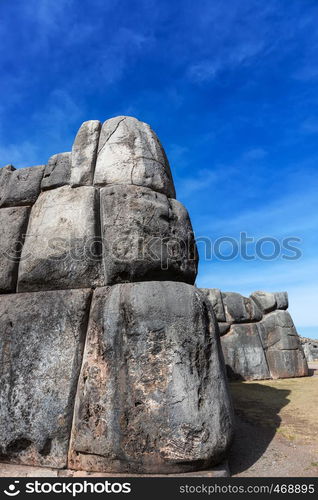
(258, 337)
(110, 357)
(310, 347)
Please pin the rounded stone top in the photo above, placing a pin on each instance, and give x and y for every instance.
(129, 152)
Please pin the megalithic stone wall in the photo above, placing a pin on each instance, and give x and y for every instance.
(258, 337)
(110, 358)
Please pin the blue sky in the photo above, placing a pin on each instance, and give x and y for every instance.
(229, 86)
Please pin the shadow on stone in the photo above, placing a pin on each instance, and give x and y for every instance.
(257, 419)
(232, 375)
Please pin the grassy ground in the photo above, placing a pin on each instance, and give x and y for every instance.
(276, 417)
(288, 405)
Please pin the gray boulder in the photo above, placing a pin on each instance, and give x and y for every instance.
(284, 353)
(152, 394)
(146, 236)
(287, 363)
(239, 309)
(22, 186)
(84, 154)
(243, 353)
(13, 226)
(57, 172)
(62, 245)
(41, 343)
(310, 348)
(265, 301)
(214, 295)
(129, 152)
(5, 174)
(281, 300)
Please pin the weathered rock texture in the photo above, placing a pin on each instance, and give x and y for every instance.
(57, 172)
(149, 388)
(5, 175)
(258, 337)
(84, 154)
(244, 354)
(310, 347)
(129, 152)
(146, 235)
(41, 342)
(13, 226)
(282, 346)
(22, 187)
(152, 394)
(62, 245)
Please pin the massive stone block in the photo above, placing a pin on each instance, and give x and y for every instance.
(129, 152)
(41, 344)
(239, 309)
(215, 297)
(264, 300)
(282, 346)
(310, 348)
(84, 154)
(62, 245)
(243, 353)
(281, 300)
(22, 186)
(146, 236)
(13, 226)
(152, 395)
(57, 172)
(5, 174)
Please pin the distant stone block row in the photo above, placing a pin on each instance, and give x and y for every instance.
(258, 337)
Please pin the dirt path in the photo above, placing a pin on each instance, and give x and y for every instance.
(277, 428)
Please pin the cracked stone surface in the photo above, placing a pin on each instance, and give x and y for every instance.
(22, 186)
(5, 174)
(152, 395)
(62, 245)
(129, 152)
(282, 346)
(273, 333)
(151, 386)
(214, 295)
(41, 343)
(239, 309)
(281, 300)
(84, 153)
(146, 236)
(57, 172)
(265, 301)
(310, 348)
(13, 226)
(243, 353)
